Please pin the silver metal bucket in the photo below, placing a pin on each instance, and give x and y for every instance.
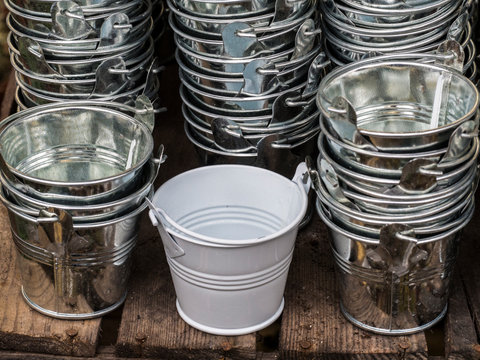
(424, 107)
(85, 213)
(272, 152)
(462, 149)
(73, 271)
(380, 180)
(355, 30)
(46, 5)
(108, 158)
(226, 9)
(433, 216)
(398, 284)
(395, 195)
(73, 67)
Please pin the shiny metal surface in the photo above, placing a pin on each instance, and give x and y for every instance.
(225, 9)
(84, 273)
(84, 212)
(390, 164)
(355, 30)
(273, 152)
(63, 162)
(393, 285)
(379, 180)
(78, 67)
(44, 6)
(400, 104)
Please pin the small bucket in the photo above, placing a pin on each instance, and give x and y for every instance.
(72, 270)
(398, 284)
(229, 237)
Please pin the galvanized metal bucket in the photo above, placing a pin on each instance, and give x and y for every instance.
(396, 178)
(107, 159)
(398, 284)
(70, 270)
(249, 72)
(427, 102)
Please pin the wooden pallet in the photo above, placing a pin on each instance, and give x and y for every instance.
(148, 325)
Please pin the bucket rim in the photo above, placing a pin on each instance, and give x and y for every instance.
(113, 108)
(398, 61)
(175, 229)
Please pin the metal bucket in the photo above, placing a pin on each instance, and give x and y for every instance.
(229, 235)
(226, 9)
(273, 152)
(462, 149)
(379, 180)
(398, 284)
(349, 215)
(89, 212)
(46, 5)
(355, 30)
(108, 158)
(440, 99)
(69, 270)
(73, 67)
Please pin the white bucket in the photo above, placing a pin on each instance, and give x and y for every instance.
(229, 237)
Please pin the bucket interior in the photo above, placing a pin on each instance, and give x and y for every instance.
(231, 202)
(396, 98)
(76, 144)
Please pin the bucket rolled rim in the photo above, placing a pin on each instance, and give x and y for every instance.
(78, 226)
(364, 239)
(396, 60)
(190, 236)
(130, 198)
(76, 105)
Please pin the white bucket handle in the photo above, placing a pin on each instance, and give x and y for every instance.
(158, 218)
(302, 177)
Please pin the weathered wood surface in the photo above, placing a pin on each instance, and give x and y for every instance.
(460, 336)
(8, 101)
(312, 325)
(460, 331)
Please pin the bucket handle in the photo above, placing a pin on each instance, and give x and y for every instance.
(302, 177)
(158, 218)
(24, 213)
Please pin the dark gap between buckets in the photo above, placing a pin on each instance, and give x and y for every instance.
(268, 338)
(435, 337)
(110, 326)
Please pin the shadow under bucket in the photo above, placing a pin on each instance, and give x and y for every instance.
(229, 233)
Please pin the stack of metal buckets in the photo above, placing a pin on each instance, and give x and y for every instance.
(397, 172)
(249, 73)
(66, 50)
(358, 29)
(74, 179)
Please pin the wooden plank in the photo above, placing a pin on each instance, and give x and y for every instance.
(460, 335)
(8, 101)
(463, 337)
(150, 324)
(312, 325)
(104, 353)
(24, 329)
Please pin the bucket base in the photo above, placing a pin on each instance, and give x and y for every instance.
(392, 332)
(69, 316)
(231, 332)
